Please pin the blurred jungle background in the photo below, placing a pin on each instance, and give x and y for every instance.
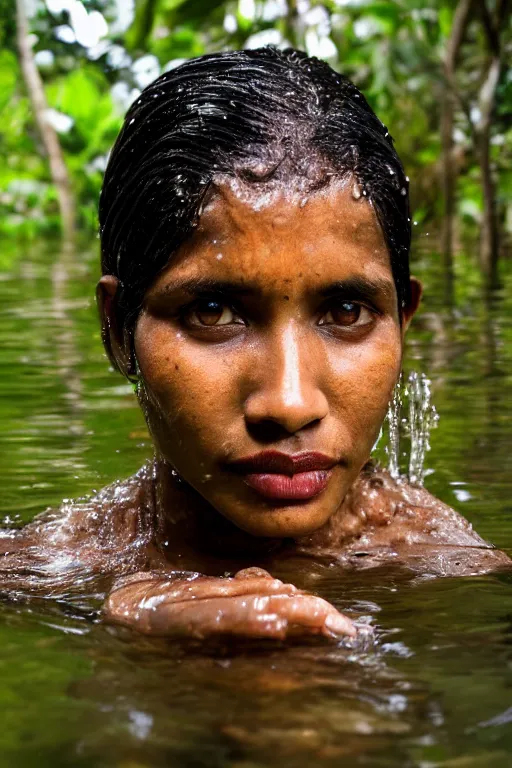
(438, 73)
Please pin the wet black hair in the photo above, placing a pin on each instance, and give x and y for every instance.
(261, 116)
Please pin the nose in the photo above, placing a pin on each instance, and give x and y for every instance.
(287, 393)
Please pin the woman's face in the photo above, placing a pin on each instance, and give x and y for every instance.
(268, 351)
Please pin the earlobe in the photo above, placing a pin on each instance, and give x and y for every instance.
(114, 341)
(410, 310)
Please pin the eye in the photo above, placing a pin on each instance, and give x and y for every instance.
(347, 314)
(210, 313)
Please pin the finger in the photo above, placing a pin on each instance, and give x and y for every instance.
(208, 588)
(310, 613)
(247, 573)
(236, 616)
(150, 593)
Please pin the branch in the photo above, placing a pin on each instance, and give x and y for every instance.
(461, 20)
(486, 96)
(459, 26)
(487, 93)
(490, 30)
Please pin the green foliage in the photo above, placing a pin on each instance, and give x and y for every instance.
(393, 50)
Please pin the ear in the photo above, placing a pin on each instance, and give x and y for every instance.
(409, 311)
(115, 340)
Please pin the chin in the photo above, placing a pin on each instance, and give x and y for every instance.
(289, 521)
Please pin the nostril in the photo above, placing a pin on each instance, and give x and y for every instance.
(270, 431)
(267, 431)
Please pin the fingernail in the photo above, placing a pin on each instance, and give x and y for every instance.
(340, 625)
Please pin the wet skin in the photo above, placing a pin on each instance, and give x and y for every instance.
(274, 328)
(291, 341)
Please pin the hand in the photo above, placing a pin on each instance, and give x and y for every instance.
(252, 604)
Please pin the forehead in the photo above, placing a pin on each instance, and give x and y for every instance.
(277, 236)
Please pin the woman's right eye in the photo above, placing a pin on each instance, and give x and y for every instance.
(210, 313)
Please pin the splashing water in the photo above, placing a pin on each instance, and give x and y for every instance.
(393, 418)
(421, 418)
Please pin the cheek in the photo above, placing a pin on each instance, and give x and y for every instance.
(187, 388)
(363, 380)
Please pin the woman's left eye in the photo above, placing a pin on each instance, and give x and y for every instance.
(347, 314)
(209, 313)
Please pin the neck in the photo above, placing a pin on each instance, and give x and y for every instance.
(192, 531)
(194, 535)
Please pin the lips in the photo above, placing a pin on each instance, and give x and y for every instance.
(282, 476)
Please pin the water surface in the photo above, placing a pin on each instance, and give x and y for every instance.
(434, 691)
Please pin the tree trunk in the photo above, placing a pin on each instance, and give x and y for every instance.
(448, 172)
(292, 24)
(489, 239)
(448, 180)
(493, 25)
(34, 84)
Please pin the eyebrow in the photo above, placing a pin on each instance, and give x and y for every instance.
(362, 288)
(356, 287)
(204, 285)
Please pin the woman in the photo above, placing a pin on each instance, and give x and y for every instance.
(255, 241)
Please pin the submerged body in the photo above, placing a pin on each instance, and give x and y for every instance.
(123, 545)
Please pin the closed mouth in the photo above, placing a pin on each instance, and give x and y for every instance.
(275, 462)
(299, 487)
(286, 477)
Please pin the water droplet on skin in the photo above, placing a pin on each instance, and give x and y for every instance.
(356, 191)
(403, 191)
(219, 257)
(131, 121)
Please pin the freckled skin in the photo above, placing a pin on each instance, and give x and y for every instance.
(280, 367)
(282, 381)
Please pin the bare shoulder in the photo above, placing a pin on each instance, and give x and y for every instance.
(106, 533)
(411, 526)
(106, 520)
